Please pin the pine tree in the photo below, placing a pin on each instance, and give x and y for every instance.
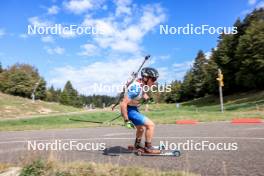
(199, 74)
(174, 95)
(187, 91)
(240, 56)
(2, 78)
(250, 51)
(69, 96)
(211, 84)
(1, 69)
(53, 95)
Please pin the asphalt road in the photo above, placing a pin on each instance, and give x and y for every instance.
(248, 159)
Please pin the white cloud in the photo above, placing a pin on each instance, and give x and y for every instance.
(165, 75)
(184, 65)
(126, 37)
(68, 34)
(179, 69)
(2, 32)
(260, 5)
(89, 50)
(47, 39)
(208, 55)
(252, 2)
(36, 21)
(125, 46)
(110, 73)
(254, 5)
(123, 34)
(56, 50)
(164, 57)
(114, 72)
(123, 7)
(152, 16)
(53, 10)
(81, 6)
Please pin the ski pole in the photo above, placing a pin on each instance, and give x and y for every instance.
(134, 76)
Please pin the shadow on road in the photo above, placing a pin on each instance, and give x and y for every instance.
(116, 151)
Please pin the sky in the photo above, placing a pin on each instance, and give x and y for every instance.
(131, 30)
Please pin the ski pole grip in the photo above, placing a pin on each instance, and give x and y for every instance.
(147, 57)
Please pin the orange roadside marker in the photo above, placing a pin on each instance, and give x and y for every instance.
(246, 120)
(182, 122)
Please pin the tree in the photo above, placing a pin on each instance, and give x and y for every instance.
(250, 51)
(211, 84)
(97, 100)
(187, 90)
(53, 95)
(174, 95)
(20, 80)
(69, 96)
(1, 69)
(199, 74)
(2, 78)
(240, 56)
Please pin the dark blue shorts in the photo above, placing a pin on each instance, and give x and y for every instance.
(135, 116)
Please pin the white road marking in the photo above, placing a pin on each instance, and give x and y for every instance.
(130, 138)
(12, 150)
(118, 134)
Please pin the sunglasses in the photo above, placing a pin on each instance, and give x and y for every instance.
(153, 79)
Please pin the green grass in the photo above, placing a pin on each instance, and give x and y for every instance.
(58, 121)
(13, 107)
(250, 104)
(206, 109)
(55, 168)
(239, 102)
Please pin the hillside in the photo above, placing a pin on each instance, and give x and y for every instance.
(14, 106)
(241, 102)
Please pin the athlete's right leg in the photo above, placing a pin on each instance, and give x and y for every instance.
(139, 134)
(140, 131)
(148, 136)
(149, 130)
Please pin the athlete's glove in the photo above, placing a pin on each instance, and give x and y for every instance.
(129, 124)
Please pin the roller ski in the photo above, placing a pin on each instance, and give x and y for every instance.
(142, 152)
(149, 150)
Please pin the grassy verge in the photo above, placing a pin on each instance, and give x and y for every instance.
(158, 114)
(46, 168)
(238, 102)
(170, 116)
(250, 105)
(14, 106)
(4, 167)
(58, 121)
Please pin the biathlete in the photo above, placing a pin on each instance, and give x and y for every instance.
(129, 109)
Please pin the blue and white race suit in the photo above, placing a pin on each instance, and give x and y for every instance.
(135, 92)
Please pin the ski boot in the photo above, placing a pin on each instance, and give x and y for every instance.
(149, 149)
